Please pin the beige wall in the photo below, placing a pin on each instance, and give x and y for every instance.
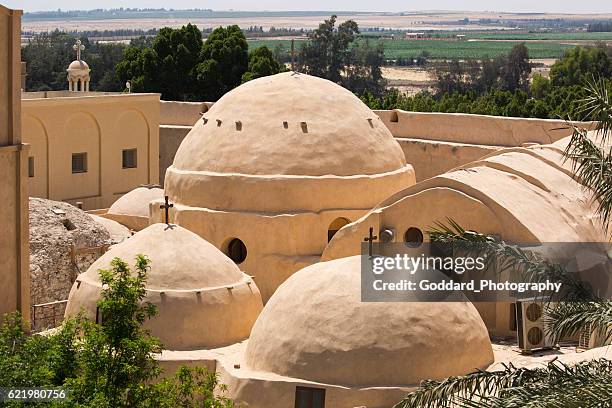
(176, 120)
(170, 138)
(182, 113)
(435, 143)
(14, 275)
(101, 125)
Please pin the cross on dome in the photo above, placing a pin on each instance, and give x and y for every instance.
(78, 47)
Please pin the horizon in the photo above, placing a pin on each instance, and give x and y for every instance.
(389, 6)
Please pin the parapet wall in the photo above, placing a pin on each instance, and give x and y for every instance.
(435, 143)
(181, 113)
(473, 129)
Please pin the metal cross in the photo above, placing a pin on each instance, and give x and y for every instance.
(370, 241)
(166, 206)
(78, 47)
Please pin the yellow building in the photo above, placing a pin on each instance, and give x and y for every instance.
(90, 147)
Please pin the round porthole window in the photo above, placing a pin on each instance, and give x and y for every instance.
(236, 250)
(413, 237)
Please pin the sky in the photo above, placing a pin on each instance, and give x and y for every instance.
(582, 6)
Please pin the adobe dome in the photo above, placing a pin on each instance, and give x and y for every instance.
(203, 299)
(287, 135)
(78, 65)
(132, 209)
(316, 328)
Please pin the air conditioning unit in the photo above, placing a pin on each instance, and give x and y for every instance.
(584, 338)
(531, 330)
(589, 338)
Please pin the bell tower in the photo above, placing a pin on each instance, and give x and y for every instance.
(14, 253)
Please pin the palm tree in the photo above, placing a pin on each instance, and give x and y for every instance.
(586, 384)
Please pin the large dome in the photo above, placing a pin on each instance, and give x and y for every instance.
(316, 328)
(203, 299)
(291, 124)
(295, 133)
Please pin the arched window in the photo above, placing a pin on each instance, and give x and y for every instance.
(236, 250)
(335, 226)
(413, 237)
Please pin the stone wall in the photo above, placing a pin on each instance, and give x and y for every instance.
(64, 242)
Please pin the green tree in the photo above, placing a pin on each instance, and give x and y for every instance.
(167, 67)
(327, 53)
(516, 69)
(223, 61)
(108, 364)
(364, 70)
(261, 63)
(116, 358)
(334, 54)
(579, 65)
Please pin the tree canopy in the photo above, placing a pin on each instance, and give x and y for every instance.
(333, 53)
(223, 61)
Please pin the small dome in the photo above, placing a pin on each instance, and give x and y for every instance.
(203, 299)
(316, 328)
(78, 65)
(132, 209)
(136, 202)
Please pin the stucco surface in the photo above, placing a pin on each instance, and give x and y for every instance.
(316, 328)
(14, 278)
(273, 163)
(203, 299)
(341, 135)
(523, 195)
(101, 125)
(132, 209)
(136, 202)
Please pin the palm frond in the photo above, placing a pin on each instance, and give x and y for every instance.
(592, 165)
(597, 107)
(502, 256)
(568, 319)
(586, 384)
(474, 386)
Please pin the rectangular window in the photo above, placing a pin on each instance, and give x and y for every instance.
(79, 163)
(307, 397)
(30, 166)
(129, 158)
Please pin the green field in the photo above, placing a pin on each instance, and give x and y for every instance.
(580, 36)
(446, 49)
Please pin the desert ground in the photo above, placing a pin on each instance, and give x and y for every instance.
(401, 21)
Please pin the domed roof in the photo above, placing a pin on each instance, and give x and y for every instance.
(201, 288)
(316, 328)
(293, 124)
(291, 129)
(136, 202)
(78, 65)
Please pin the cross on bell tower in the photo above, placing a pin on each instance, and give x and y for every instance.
(78, 47)
(370, 240)
(166, 206)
